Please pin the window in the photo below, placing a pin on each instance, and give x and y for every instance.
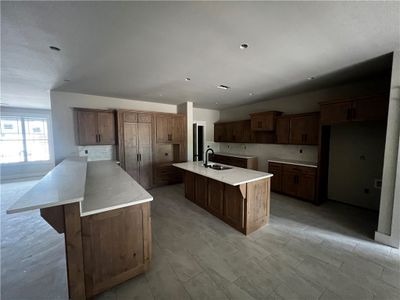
(23, 139)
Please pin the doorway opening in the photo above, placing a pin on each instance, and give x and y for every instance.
(198, 140)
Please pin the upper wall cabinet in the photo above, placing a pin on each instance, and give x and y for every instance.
(170, 128)
(95, 127)
(301, 129)
(264, 121)
(233, 132)
(361, 109)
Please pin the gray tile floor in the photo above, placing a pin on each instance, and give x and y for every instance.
(306, 252)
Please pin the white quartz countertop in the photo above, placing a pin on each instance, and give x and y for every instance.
(234, 176)
(295, 162)
(235, 155)
(63, 185)
(109, 187)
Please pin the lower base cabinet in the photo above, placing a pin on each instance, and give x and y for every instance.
(293, 180)
(245, 207)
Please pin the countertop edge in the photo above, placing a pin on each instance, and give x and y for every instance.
(49, 205)
(110, 208)
(305, 164)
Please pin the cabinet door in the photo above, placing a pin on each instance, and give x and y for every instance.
(164, 128)
(215, 197)
(258, 122)
(87, 127)
(234, 206)
(145, 155)
(289, 183)
(370, 109)
(306, 187)
(189, 179)
(246, 132)
(200, 190)
(178, 129)
(282, 130)
(304, 130)
(336, 112)
(106, 128)
(131, 136)
(276, 180)
(114, 247)
(219, 132)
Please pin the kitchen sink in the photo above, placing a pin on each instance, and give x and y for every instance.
(219, 167)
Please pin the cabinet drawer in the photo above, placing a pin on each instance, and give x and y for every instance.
(299, 169)
(274, 167)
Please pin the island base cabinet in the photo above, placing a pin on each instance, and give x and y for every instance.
(245, 207)
(115, 246)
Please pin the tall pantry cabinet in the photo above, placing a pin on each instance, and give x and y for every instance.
(135, 145)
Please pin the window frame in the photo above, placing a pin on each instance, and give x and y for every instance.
(35, 114)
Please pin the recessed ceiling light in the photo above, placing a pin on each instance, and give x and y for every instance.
(311, 78)
(244, 46)
(223, 87)
(55, 48)
(160, 95)
(187, 79)
(251, 94)
(216, 102)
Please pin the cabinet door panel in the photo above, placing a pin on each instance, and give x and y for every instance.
(282, 130)
(106, 128)
(189, 179)
(276, 180)
(178, 123)
(215, 197)
(219, 132)
(304, 130)
(289, 183)
(234, 206)
(201, 190)
(336, 112)
(163, 128)
(145, 155)
(87, 127)
(370, 109)
(131, 149)
(112, 247)
(306, 187)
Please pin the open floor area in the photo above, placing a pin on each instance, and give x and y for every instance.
(306, 252)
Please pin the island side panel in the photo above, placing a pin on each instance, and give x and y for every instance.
(258, 204)
(74, 251)
(116, 246)
(54, 216)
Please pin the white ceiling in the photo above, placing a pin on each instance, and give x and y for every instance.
(144, 50)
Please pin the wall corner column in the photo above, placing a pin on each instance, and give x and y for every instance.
(187, 109)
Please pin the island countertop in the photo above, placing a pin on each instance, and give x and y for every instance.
(109, 187)
(99, 186)
(234, 176)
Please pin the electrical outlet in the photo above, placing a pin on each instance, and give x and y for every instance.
(301, 150)
(86, 151)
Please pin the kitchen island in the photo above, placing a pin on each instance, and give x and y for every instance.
(239, 197)
(105, 217)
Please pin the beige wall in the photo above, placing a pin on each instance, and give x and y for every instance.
(356, 160)
(62, 104)
(209, 117)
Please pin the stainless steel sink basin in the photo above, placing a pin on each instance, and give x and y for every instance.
(219, 167)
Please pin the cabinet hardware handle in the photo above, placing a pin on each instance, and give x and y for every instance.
(137, 156)
(140, 156)
(99, 138)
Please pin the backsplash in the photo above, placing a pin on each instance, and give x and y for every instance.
(104, 152)
(270, 151)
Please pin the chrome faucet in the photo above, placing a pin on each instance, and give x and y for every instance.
(206, 157)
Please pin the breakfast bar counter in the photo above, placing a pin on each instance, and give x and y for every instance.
(105, 217)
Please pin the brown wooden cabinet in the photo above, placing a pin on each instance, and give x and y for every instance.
(95, 127)
(264, 121)
(245, 207)
(359, 109)
(115, 246)
(276, 180)
(233, 132)
(135, 145)
(299, 129)
(293, 180)
(237, 161)
(170, 128)
(215, 203)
